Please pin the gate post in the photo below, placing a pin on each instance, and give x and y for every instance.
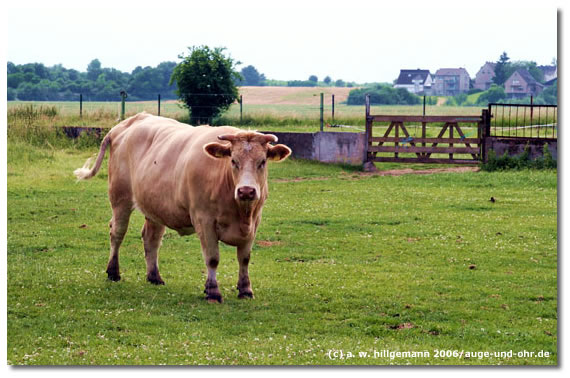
(368, 126)
(484, 132)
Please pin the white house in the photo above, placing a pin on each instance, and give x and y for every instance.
(415, 81)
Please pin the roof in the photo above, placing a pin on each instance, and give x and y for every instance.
(490, 64)
(526, 76)
(551, 82)
(409, 76)
(451, 72)
(548, 69)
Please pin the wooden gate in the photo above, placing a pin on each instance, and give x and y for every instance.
(445, 141)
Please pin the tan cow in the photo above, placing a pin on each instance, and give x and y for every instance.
(208, 180)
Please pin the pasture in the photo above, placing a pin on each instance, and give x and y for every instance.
(285, 108)
(344, 261)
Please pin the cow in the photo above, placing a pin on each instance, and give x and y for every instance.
(211, 181)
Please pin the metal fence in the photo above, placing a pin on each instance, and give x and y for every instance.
(523, 121)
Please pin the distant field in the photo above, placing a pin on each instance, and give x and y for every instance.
(293, 95)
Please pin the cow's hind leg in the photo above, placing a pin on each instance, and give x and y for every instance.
(119, 224)
(244, 285)
(152, 237)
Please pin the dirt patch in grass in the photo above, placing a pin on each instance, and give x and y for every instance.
(299, 179)
(390, 172)
(268, 243)
(409, 171)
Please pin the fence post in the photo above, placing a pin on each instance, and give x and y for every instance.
(484, 131)
(333, 108)
(80, 105)
(240, 109)
(368, 126)
(424, 113)
(322, 110)
(159, 104)
(531, 111)
(123, 97)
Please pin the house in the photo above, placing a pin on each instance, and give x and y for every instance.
(415, 81)
(450, 81)
(484, 77)
(522, 84)
(549, 72)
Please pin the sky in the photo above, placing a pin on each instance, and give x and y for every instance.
(352, 40)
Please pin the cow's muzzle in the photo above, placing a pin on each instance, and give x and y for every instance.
(246, 193)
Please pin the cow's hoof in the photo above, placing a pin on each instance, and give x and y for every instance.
(213, 298)
(245, 294)
(115, 277)
(155, 279)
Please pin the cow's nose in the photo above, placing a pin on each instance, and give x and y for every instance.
(246, 193)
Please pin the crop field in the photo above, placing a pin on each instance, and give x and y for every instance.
(344, 262)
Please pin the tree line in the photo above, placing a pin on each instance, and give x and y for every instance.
(37, 82)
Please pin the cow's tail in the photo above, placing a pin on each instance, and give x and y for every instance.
(85, 173)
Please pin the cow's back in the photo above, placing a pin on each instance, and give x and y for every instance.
(162, 164)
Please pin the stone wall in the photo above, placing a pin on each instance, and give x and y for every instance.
(326, 147)
(514, 146)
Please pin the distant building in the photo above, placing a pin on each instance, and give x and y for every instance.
(415, 81)
(549, 72)
(484, 77)
(450, 81)
(522, 84)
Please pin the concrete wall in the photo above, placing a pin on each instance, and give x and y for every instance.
(515, 146)
(326, 147)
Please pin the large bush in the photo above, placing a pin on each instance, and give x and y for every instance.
(493, 94)
(381, 94)
(206, 82)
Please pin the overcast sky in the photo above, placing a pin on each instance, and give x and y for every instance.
(351, 40)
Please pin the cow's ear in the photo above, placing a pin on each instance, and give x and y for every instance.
(218, 150)
(278, 152)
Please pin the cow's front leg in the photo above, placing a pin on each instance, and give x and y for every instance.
(244, 285)
(211, 253)
(152, 237)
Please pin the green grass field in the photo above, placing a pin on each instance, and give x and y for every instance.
(344, 262)
(298, 117)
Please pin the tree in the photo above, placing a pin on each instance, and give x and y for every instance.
(327, 80)
(339, 83)
(493, 94)
(205, 82)
(94, 69)
(550, 94)
(12, 68)
(11, 96)
(313, 78)
(251, 76)
(501, 69)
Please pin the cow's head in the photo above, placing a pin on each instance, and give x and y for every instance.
(248, 153)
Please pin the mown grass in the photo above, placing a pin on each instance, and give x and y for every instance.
(348, 262)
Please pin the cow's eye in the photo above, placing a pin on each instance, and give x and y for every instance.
(261, 164)
(235, 164)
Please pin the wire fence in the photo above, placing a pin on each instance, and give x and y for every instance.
(524, 120)
(198, 110)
